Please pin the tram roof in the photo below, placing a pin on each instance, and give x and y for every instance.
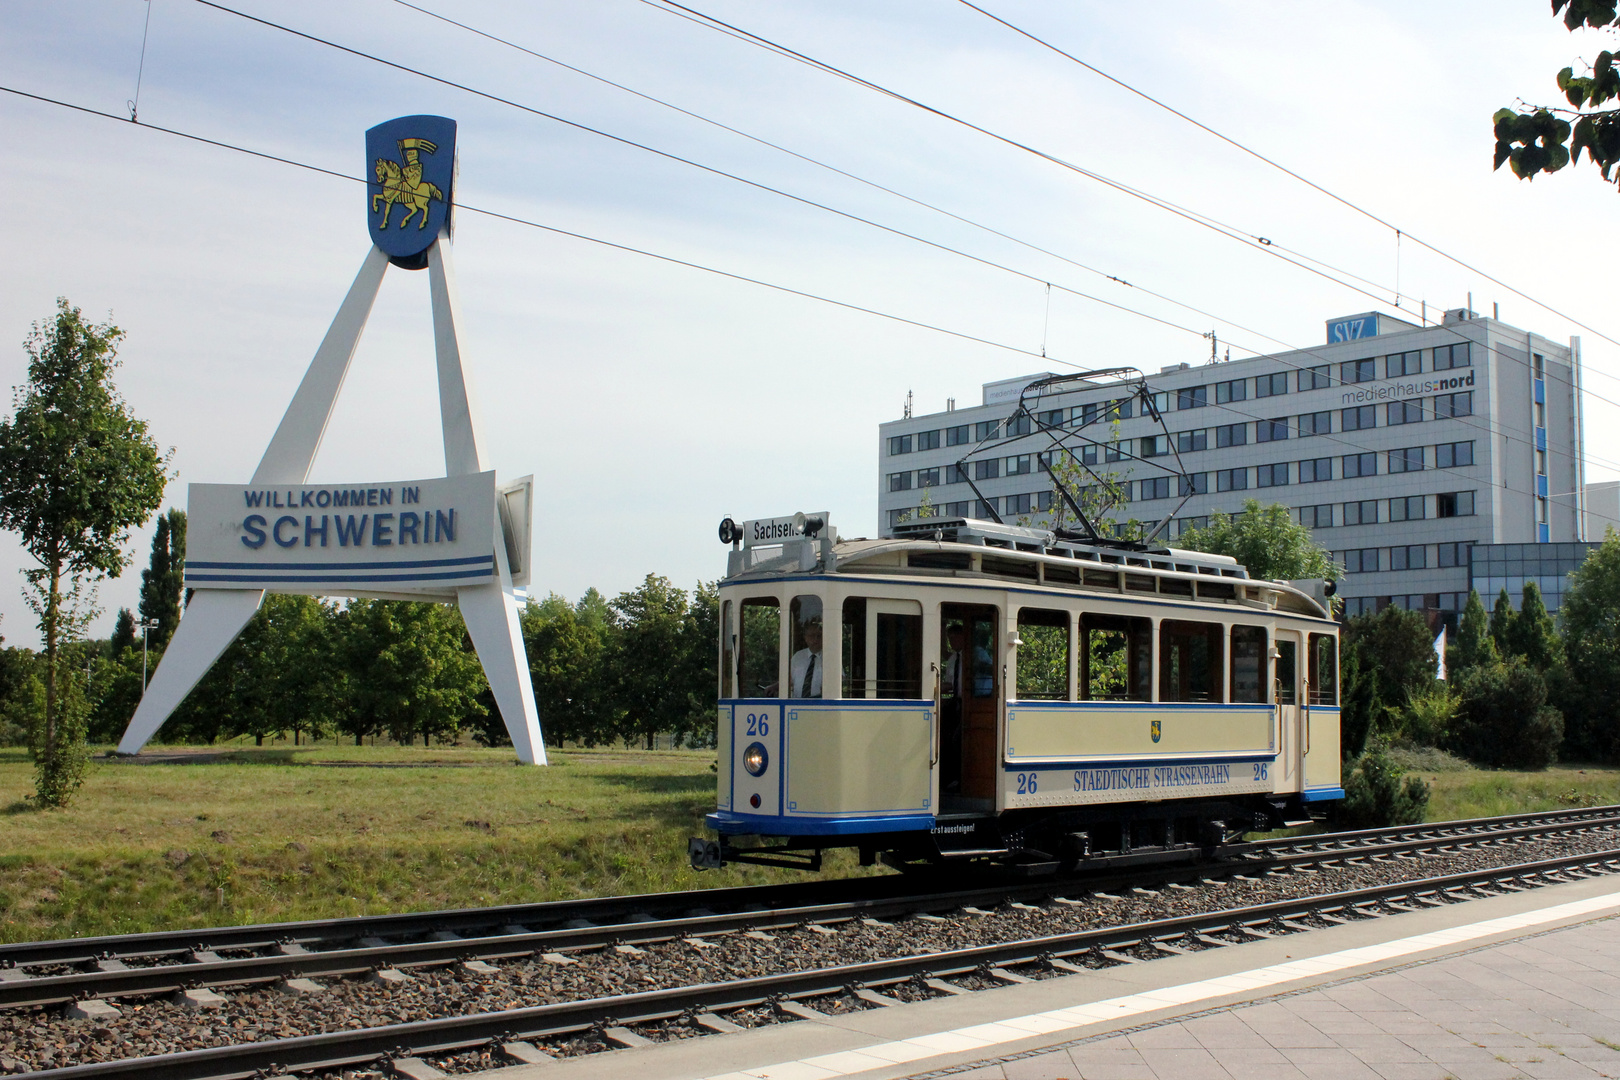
(945, 547)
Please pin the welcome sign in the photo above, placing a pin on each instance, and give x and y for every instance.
(428, 536)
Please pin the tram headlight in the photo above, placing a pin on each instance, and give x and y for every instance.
(755, 759)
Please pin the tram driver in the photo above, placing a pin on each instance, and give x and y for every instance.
(805, 667)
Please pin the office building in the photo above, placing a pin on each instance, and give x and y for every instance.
(1400, 446)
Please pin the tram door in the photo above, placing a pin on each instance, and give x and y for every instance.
(970, 696)
(1288, 692)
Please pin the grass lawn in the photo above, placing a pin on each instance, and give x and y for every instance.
(1467, 793)
(273, 834)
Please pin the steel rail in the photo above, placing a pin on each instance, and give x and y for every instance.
(213, 971)
(343, 1048)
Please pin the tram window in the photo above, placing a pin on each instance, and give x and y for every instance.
(882, 648)
(758, 666)
(1211, 590)
(1286, 673)
(1017, 568)
(805, 662)
(1116, 663)
(1175, 586)
(1189, 661)
(1061, 575)
(939, 560)
(1140, 583)
(728, 648)
(1248, 664)
(1043, 656)
(1102, 579)
(1324, 670)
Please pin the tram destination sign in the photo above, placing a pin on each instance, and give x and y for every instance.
(402, 536)
(761, 532)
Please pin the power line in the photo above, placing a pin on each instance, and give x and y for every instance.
(1399, 232)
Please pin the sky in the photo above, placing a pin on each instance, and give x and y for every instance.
(650, 398)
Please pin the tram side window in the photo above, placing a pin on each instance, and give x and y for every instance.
(1249, 664)
(882, 648)
(758, 667)
(1043, 658)
(1189, 661)
(1116, 662)
(728, 648)
(805, 662)
(1324, 671)
(1287, 676)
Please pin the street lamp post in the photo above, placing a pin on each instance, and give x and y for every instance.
(146, 625)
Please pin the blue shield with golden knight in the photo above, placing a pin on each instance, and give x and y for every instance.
(1155, 729)
(410, 171)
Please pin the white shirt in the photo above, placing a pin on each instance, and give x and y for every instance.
(800, 664)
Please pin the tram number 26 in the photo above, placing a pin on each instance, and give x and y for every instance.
(1027, 783)
(1261, 769)
(759, 724)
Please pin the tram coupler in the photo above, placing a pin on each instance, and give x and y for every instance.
(713, 854)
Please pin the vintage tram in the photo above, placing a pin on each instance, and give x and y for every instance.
(969, 690)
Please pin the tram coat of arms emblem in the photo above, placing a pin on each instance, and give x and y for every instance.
(411, 170)
(1155, 729)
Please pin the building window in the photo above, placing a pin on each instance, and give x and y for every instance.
(1271, 430)
(1317, 517)
(958, 509)
(1403, 363)
(899, 517)
(1018, 466)
(1316, 470)
(928, 477)
(1316, 378)
(988, 469)
(1192, 397)
(1405, 412)
(1088, 455)
(986, 508)
(1052, 418)
(1454, 554)
(1188, 441)
(1413, 557)
(1231, 434)
(956, 474)
(1195, 483)
(1359, 419)
(986, 429)
(1155, 445)
(1358, 465)
(1447, 357)
(1316, 423)
(1183, 525)
(899, 481)
(1019, 424)
(1452, 455)
(957, 436)
(1448, 405)
(1410, 459)
(928, 440)
(1018, 504)
(1043, 500)
(1357, 371)
(1084, 414)
(1271, 385)
(1361, 561)
(1232, 480)
(1156, 488)
(899, 444)
(1232, 390)
(1271, 475)
(1454, 504)
(1410, 508)
(1361, 513)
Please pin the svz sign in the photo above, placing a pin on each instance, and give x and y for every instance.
(1362, 326)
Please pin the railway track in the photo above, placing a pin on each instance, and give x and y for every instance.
(57, 972)
(512, 1034)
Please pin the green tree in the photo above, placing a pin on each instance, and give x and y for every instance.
(568, 648)
(1267, 540)
(1394, 657)
(1503, 718)
(163, 580)
(1475, 647)
(651, 683)
(408, 669)
(1502, 623)
(1591, 637)
(1532, 634)
(1375, 796)
(123, 635)
(77, 472)
(1540, 139)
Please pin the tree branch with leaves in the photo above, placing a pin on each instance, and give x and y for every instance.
(1540, 139)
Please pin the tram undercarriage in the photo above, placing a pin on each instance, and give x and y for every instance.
(1033, 842)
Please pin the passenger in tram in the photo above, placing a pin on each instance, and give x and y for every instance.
(806, 665)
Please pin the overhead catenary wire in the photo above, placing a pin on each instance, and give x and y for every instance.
(629, 249)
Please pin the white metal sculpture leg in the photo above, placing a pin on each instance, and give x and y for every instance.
(213, 619)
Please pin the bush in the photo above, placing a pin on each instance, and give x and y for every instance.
(1374, 794)
(1425, 719)
(1503, 719)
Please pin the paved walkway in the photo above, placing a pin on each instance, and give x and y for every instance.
(1543, 1006)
